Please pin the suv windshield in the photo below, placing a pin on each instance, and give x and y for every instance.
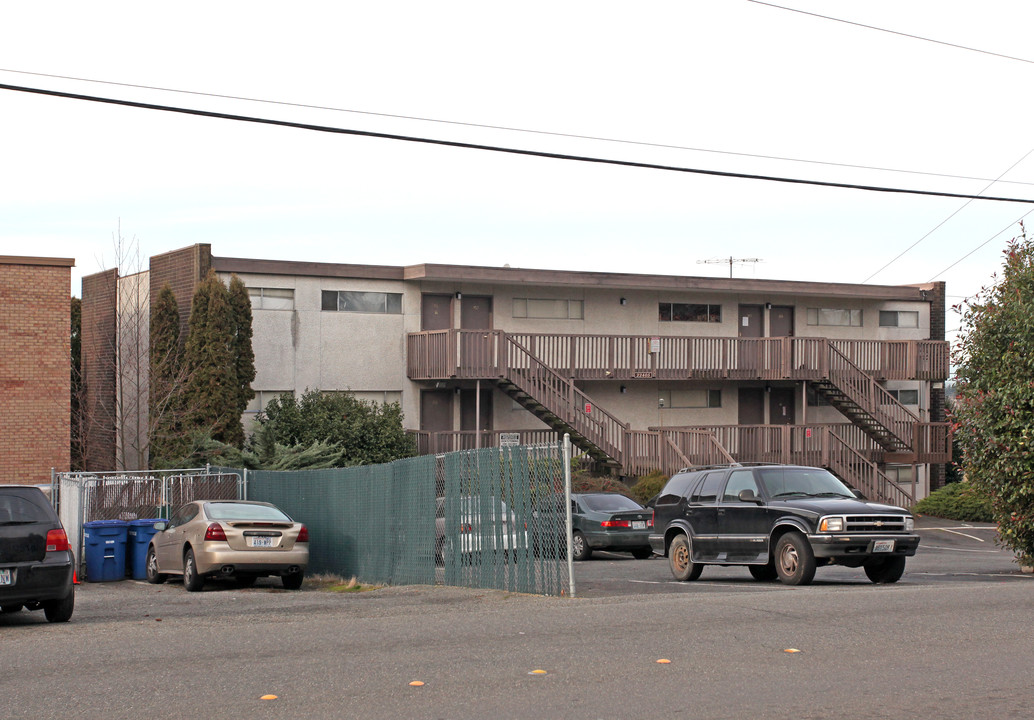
(809, 482)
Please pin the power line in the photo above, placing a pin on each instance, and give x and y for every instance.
(942, 222)
(507, 128)
(497, 148)
(893, 32)
(1019, 219)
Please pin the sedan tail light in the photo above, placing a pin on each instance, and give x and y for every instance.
(303, 535)
(616, 523)
(215, 532)
(57, 541)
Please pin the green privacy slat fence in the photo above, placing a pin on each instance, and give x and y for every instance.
(490, 518)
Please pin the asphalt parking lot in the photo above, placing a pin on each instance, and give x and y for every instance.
(951, 639)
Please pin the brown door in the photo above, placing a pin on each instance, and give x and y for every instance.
(780, 321)
(435, 312)
(436, 410)
(750, 321)
(752, 406)
(781, 406)
(476, 312)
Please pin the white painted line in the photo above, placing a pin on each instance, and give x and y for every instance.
(1003, 575)
(954, 532)
(950, 549)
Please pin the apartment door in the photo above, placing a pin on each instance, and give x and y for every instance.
(435, 312)
(751, 321)
(476, 312)
(468, 411)
(781, 406)
(436, 414)
(752, 406)
(477, 356)
(780, 321)
(749, 358)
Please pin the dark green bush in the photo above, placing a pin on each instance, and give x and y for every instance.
(648, 485)
(957, 501)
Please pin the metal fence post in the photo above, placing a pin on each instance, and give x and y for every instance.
(567, 504)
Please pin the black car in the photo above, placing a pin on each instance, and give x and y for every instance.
(781, 521)
(35, 558)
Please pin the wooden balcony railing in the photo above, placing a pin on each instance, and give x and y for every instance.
(441, 354)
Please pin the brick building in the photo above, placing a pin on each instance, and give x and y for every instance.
(35, 382)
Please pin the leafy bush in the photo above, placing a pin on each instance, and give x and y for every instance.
(583, 482)
(648, 485)
(957, 501)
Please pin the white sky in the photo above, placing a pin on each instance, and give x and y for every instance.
(720, 75)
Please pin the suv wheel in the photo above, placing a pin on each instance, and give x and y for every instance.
(794, 559)
(885, 570)
(680, 560)
(764, 573)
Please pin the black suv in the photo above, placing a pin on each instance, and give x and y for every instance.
(781, 521)
(35, 558)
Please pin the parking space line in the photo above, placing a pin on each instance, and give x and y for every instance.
(938, 547)
(955, 532)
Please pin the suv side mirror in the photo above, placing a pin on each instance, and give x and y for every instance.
(749, 496)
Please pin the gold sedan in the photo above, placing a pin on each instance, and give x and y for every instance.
(236, 539)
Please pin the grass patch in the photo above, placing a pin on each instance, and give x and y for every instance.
(328, 582)
(956, 501)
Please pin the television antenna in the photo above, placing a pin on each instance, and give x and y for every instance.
(731, 260)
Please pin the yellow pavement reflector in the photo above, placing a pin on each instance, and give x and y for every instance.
(416, 683)
(537, 672)
(268, 697)
(664, 661)
(791, 650)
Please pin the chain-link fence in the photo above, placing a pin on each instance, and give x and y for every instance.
(490, 518)
(85, 497)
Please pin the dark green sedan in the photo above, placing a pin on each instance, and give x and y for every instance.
(600, 521)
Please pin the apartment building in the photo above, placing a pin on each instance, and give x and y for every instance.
(644, 371)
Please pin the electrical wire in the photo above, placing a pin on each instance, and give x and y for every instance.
(893, 32)
(1019, 219)
(497, 148)
(942, 222)
(507, 128)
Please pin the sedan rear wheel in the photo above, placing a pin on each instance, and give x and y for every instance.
(8, 609)
(579, 547)
(192, 581)
(60, 610)
(680, 560)
(151, 568)
(642, 553)
(794, 561)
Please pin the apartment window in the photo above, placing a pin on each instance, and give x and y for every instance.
(837, 317)
(905, 397)
(271, 298)
(689, 312)
(901, 474)
(689, 399)
(363, 302)
(899, 318)
(262, 399)
(548, 309)
(381, 397)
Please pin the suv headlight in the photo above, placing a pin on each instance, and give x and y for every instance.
(831, 524)
(910, 524)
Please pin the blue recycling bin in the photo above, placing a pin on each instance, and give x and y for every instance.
(138, 538)
(105, 542)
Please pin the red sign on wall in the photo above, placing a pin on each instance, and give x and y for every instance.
(588, 408)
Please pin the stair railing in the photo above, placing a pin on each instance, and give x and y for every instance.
(863, 390)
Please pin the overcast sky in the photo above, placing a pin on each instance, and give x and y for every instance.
(709, 84)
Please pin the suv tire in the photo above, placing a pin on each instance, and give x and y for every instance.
(763, 573)
(794, 559)
(680, 559)
(886, 570)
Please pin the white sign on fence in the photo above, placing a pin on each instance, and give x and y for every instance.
(509, 439)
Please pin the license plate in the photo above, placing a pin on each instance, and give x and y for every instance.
(6, 578)
(638, 524)
(260, 541)
(883, 546)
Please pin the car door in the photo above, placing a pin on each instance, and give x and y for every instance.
(168, 544)
(743, 526)
(702, 516)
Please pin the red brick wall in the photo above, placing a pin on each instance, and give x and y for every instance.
(183, 270)
(99, 369)
(35, 365)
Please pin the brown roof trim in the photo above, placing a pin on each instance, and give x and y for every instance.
(461, 273)
(308, 269)
(53, 262)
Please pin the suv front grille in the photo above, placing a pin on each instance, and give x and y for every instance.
(875, 523)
